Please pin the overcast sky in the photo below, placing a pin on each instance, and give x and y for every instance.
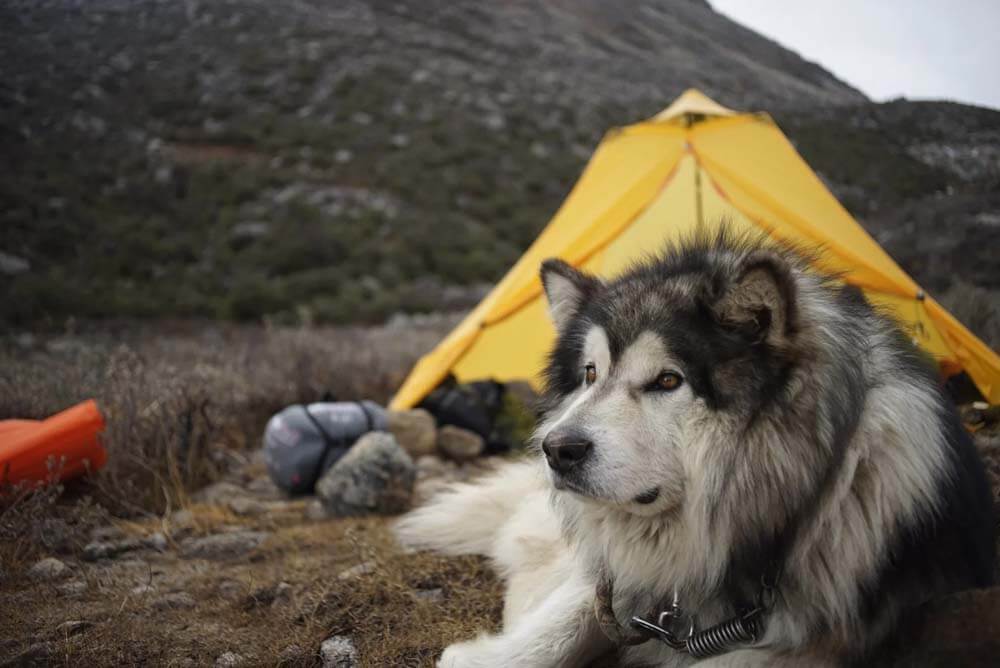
(890, 48)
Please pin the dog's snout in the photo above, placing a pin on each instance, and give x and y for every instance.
(564, 450)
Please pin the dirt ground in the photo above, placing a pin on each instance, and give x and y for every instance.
(270, 591)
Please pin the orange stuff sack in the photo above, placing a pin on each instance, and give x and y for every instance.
(63, 446)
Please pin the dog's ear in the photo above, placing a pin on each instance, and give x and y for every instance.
(566, 289)
(760, 302)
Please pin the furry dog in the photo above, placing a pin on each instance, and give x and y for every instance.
(715, 418)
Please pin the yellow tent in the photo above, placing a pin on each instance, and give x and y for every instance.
(693, 162)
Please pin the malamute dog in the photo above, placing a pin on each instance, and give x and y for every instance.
(740, 463)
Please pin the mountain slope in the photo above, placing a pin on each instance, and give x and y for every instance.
(336, 161)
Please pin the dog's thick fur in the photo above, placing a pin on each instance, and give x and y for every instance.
(806, 435)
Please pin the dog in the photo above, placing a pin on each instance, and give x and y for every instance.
(732, 438)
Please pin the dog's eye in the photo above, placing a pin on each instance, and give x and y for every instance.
(589, 374)
(668, 381)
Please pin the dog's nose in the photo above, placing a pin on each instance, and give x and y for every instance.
(564, 450)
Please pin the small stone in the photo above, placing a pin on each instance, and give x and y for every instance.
(12, 264)
(415, 430)
(430, 595)
(110, 549)
(219, 493)
(338, 652)
(264, 488)
(229, 660)
(71, 628)
(72, 588)
(222, 546)
(156, 541)
(143, 590)
(48, 569)
(246, 507)
(363, 568)
(460, 444)
(314, 510)
(175, 601)
(375, 476)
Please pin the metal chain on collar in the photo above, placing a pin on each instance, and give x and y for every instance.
(677, 630)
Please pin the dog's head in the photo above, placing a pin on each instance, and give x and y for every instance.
(648, 362)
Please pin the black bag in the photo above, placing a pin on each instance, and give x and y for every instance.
(473, 406)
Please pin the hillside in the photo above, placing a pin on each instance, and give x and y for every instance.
(311, 162)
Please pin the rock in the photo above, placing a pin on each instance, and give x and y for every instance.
(460, 444)
(250, 230)
(246, 507)
(229, 660)
(434, 595)
(156, 541)
(363, 568)
(314, 510)
(110, 549)
(264, 488)
(71, 628)
(12, 265)
(143, 590)
(48, 569)
(175, 601)
(72, 588)
(222, 546)
(338, 652)
(219, 493)
(375, 476)
(415, 430)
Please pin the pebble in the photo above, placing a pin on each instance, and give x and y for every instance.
(110, 549)
(222, 546)
(175, 601)
(71, 628)
(338, 652)
(229, 660)
(48, 569)
(460, 444)
(246, 507)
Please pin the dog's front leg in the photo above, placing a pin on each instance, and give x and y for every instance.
(560, 631)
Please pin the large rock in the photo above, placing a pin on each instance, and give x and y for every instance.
(460, 444)
(414, 430)
(375, 476)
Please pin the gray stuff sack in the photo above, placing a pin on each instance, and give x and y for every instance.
(302, 442)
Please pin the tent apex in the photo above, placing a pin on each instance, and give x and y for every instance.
(692, 101)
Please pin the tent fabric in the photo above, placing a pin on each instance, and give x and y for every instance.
(692, 164)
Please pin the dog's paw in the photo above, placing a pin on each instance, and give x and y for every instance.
(465, 655)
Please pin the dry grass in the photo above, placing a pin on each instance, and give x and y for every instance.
(381, 610)
(182, 401)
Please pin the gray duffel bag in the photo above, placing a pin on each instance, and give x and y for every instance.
(302, 442)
